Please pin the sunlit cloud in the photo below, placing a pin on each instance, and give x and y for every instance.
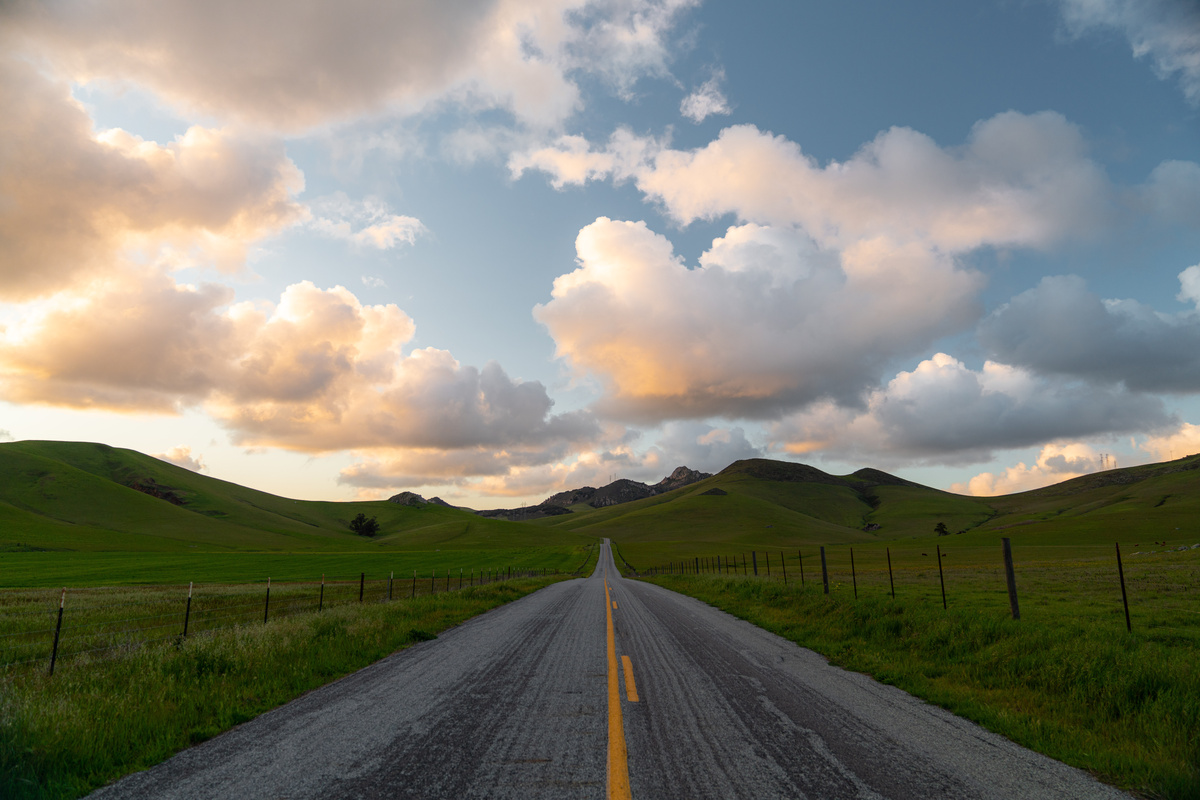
(181, 456)
(707, 100)
(92, 202)
(1055, 463)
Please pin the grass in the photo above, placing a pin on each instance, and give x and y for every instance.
(101, 717)
(1066, 680)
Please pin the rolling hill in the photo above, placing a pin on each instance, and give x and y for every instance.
(72, 496)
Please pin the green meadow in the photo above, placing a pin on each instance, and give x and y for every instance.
(1067, 679)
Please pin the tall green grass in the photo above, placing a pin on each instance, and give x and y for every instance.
(103, 716)
(1125, 707)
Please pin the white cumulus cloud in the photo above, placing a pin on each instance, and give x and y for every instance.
(706, 100)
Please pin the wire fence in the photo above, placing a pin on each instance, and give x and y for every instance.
(1151, 588)
(42, 627)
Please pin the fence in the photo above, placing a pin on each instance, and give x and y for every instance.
(1154, 589)
(42, 627)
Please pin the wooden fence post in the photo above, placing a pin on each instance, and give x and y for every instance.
(941, 577)
(362, 584)
(754, 558)
(321, 599)
(824, 570)
(1010, 577)
(783, 565)
(267, 604)
(800, 558)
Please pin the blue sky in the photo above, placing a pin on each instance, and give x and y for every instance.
(498, 249)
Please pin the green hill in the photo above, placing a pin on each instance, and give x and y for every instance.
(71, 496)
(774, 504)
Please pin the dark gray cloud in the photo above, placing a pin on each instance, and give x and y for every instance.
(945, 413)
(1062, 328)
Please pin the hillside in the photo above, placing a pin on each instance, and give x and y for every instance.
(71, 496)
(775, 504)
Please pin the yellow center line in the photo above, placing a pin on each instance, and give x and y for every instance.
(630, 687)
(618, 764)
(614, 605)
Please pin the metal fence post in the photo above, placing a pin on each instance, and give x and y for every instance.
(187, 614)
(853, 574)
(783, 566)
(800, 558)
(362, 583)
(58, 629)
(891, 581)
(1120, 572)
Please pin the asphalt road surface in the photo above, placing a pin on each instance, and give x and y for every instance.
(603, 687)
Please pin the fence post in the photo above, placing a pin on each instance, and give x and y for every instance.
(744, 571)
(767, 556)
(58, 629)
(187, 614)
(783, 564)
(941, 576)
(321, 599)
(853, 574)
(1011, 577)
(447, 580)
(267, 604)
(800, 558)
(697, 565)
(891, 581)
(414, 587)
(754, 560)
(1120, 572)
(433, 582)
(391, 577)
(362, 582)
(460, 577)
(824, 570)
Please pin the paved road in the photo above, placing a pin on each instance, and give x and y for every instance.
(536, 700)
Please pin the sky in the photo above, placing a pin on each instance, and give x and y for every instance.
(489, 250)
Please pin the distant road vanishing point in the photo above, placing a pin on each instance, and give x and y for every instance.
(603, 687)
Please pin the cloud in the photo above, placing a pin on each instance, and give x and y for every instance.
(768, 322)
(374, 282)
(1055, 463)
(1061, 328)
(369, 223)
(283, 67)
(316, 372)
(1019, 180)
(1166, 31)
(181, 456)
(1184, 441)
(5, 435)
(943, 412)
(76, 203)
(704, 447)
(706, 100)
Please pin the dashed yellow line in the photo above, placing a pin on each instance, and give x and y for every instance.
(618, 760)
(630, 687)
(614, 605)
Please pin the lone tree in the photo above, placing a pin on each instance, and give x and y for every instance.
(363, 526)
(940, 530)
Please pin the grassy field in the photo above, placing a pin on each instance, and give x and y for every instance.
(1066, 680)
(105, 715)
